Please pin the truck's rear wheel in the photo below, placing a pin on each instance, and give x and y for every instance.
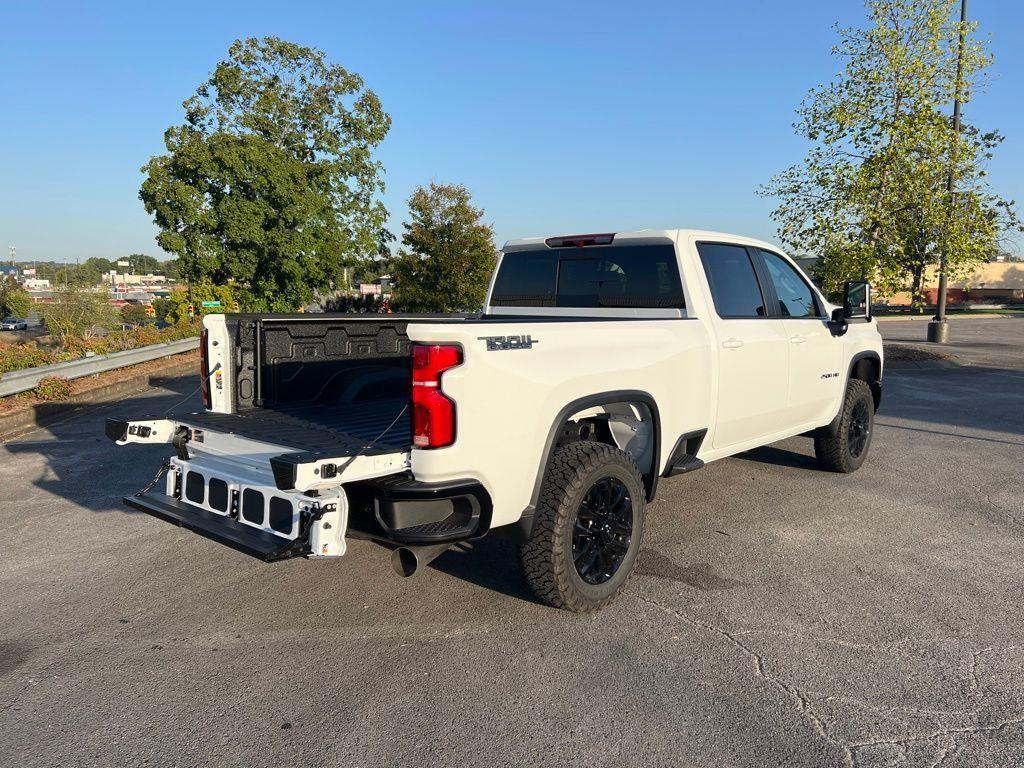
(587, 528)
(846, 451)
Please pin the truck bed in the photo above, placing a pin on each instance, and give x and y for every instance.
(340, 428)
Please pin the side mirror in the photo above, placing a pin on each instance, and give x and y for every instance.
(856, 307)
(837, 324)
(857, 299)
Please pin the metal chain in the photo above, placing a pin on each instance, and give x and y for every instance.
(156, 478)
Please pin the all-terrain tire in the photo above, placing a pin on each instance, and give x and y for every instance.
(547, 558)
(846, 451)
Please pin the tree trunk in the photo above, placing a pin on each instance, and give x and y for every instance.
(915, 287)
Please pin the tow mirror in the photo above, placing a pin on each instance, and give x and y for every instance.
(856, 307)
(856, 299)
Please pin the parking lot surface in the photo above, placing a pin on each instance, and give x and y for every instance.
(780, 615)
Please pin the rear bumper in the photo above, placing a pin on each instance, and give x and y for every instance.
(224, 530)
(409, 511)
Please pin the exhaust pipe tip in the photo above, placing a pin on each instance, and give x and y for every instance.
(407, 561)
(403, 560)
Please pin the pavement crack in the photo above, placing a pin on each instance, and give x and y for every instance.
(1002, 510)
(901, 712)
(948, 734)
(946, 750)
(972, 668)
(887, 647)
(803, 704)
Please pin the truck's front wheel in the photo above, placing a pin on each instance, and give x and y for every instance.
(587, 528)
(845, 451)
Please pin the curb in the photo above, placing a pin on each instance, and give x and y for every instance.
(42, 414)
(925, 365)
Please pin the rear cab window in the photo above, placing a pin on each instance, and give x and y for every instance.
(593, 277)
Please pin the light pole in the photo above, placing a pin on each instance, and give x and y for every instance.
(938, 328)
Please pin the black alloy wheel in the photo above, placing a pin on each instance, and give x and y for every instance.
(859, 430)
(602, 531)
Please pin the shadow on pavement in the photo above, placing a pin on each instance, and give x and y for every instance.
(770, 454)
(83, 466)
(490, 563)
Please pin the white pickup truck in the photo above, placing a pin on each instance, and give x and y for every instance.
(601, 364)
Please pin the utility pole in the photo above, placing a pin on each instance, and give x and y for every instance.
(938, 328)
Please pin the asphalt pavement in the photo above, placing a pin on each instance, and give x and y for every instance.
(780, 615)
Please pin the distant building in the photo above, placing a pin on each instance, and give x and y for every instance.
(1003, 257)
(121, 280)
(993, 282)
(9, 270)
(36, 284)
(136, 297)
(379, 287)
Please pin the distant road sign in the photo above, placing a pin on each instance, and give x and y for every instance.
(211, 303)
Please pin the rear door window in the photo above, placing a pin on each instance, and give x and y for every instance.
(733, 282)
(638, 277)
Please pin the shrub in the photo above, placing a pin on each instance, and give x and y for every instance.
(14, 300)
(76, 314)
(365, 303)
(17, 357)
(53, 388)
(145, 335)
(20, 356)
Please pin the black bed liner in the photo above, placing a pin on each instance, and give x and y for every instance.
(339, 429)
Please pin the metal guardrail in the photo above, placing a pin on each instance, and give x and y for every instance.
(21, 381)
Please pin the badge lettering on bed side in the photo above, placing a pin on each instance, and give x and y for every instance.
(498, 343)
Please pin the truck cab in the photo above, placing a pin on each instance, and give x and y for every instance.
(600, 364)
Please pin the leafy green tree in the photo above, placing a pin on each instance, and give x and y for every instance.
(134, 314)
(450, 255)
(98, 264)
(82, 275)
(14, 300)
(174, 309)
(142, 264)
(271, 180)
(870, 197)
(170, 268)
(380, 263)
(165, 309)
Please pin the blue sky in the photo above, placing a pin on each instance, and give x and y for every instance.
(559, 117)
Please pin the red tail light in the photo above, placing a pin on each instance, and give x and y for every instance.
(433, 412)
(204, 366)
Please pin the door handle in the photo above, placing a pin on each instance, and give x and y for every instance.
(732, 343)
(797, 339)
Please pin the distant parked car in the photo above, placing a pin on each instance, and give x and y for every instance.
(14, 324)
